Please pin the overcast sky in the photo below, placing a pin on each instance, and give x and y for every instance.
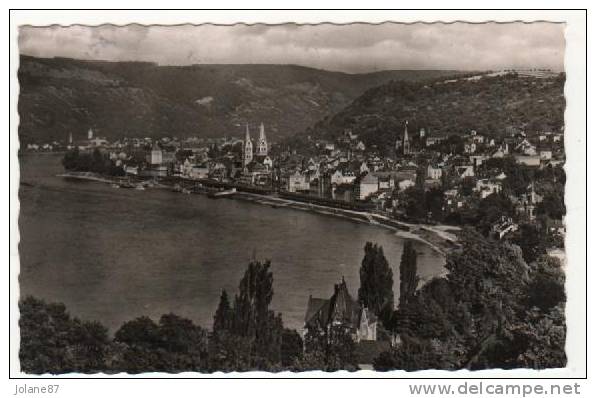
(348, 48)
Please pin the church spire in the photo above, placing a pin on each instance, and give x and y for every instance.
(406, 140)
(247, 158)
(262, 132)
(262, 146)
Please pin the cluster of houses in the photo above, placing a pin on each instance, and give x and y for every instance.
(90, 143)
(354, 174)
(344, 168)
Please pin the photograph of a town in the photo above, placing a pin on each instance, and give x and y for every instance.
(252, 197)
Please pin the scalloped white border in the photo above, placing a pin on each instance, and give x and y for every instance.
(575, 141)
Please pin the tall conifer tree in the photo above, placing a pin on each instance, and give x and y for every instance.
(408, 278)
(223, 315)
(376, 280)
(252, 317)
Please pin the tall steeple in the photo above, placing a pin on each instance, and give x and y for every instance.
(247, 148)
(406, 140)
(262, 147)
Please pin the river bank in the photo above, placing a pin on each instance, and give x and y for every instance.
(436, 237)
(441, 238)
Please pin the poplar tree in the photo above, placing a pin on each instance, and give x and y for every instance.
(250, 320)
(376, 281)
(408, 278)
(222, 319)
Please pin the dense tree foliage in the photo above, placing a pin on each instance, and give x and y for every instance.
(552, 205)
(531, 239)
(547, 287)
(434, 200)
(222, 321)
(491, 209)
(408, 274)
(249, 321)
(413, 354)
(486, 313)
(174, 344)
(519, 176)
(411, 202)
(418, 204)
(376, 281)
(329, 350)
(450, 108)
(291, 347)
(53, 342)
(95, 162)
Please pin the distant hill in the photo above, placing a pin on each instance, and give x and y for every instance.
(59, 96)
(490, 104)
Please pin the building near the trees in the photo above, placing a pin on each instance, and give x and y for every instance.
(341, 310)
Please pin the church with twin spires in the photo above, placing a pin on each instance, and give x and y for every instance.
(258, 152)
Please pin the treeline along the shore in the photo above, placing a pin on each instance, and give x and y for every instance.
(492, 310)
(95, 162)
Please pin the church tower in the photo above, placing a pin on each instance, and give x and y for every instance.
(156, 155)
(247, 148)
(406, 140)
(262, 148)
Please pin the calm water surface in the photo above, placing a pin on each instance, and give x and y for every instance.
(114, 254)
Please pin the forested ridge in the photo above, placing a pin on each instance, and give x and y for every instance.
(491, 105)
(59, 96)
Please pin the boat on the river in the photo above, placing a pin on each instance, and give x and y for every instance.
(221, 194)
(126, 184)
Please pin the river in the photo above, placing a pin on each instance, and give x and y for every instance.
(115, 254)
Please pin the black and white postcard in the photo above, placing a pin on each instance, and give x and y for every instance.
(212, 198)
